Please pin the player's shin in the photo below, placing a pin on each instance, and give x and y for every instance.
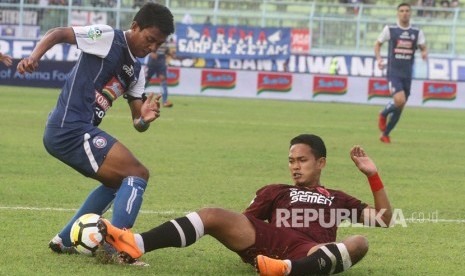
(128, 201)
(180, 232)
(328, 259)
(97, 202)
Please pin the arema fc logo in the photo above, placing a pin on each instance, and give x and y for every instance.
(94, 33)
(99, 142)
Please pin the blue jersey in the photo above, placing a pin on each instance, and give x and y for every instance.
(105, 70)
(403, 43)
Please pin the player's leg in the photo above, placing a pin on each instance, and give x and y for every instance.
(97, 202)
(399, 103)
(122, 170)
(162, 75)
(232, 229)
(83, 153)
(323, 259)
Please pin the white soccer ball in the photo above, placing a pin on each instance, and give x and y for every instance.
(85, 235)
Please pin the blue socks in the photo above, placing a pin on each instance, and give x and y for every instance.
(128, 201)
(164, 86)
(393, 121)
(97, 202)
(391, 108)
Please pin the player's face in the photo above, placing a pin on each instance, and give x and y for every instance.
(142, 42)
(304, 167)
(403, 14)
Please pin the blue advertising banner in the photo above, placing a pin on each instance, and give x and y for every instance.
(62, 56)
(51, 74)
(226, 42)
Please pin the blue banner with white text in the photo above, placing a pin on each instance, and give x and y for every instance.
(226, 42)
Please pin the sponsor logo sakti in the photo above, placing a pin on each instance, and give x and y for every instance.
(273, 82)
(172, 77)
(218, 79)
(378, 88)
(329, 85)
(442, 91)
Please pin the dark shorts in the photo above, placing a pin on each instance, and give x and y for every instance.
(84, 149)
(397, 84)
(156, 68)
(276, 242)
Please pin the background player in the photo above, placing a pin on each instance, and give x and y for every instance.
(157, 65)
(403, 41)
(267, 228)
(107, 69)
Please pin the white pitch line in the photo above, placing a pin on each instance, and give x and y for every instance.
(173, 212)
(44, 209)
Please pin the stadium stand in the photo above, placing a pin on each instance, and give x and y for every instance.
(334, 24)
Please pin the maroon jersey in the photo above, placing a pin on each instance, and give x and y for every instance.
(315, 212)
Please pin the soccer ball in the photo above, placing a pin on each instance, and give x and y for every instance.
(85, 235)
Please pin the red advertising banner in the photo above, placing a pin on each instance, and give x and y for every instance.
(274, 82)
(219, 79)
(172, 78)
(329, 85)
(378, 88)
(442, 91)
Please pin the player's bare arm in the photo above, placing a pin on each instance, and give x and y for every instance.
(51, 38)
(382, 209)
(143, 113)
(379, 59)
(6, 59)
(424, 51)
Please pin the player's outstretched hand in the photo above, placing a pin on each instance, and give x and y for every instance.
(6, 59)
(28, 64)
(151, 108)
(362, 161)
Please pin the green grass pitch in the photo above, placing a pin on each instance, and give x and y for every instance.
(208, 151)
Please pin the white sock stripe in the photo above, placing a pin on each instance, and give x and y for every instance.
(132, 197)
(180, 231)
(197, 222)
(346, 261)
(332, 257)
(89, 153)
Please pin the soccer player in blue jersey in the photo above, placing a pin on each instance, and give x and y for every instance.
(157, 65)
(403, 40)
(106, 69)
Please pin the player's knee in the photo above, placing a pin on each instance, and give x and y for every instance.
(210, 217)
(357, 247)
(141, 171)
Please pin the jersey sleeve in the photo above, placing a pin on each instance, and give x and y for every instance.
(421, 38)
(262, 204)
(95, 39)
(137, 89)
(384, 35)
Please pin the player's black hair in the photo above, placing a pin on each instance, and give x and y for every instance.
(155, 15)
(313, 141)
(403, 4)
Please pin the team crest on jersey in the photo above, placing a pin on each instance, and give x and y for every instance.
(99, 142)
(94, 33)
